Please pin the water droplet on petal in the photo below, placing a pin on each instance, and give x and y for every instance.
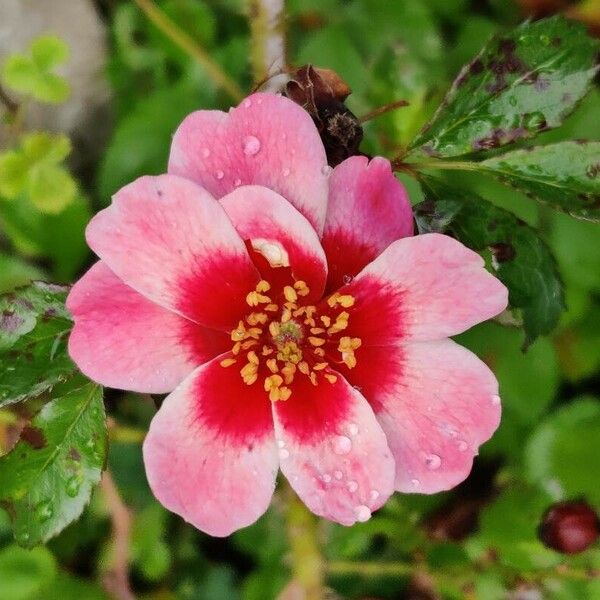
(462, 445)
(342, 445)
(219, 174)
(286, 172)
(205, 152)
(374, 495)
(352, 486)
(347, 279)
(495, 400)
(283, 454)
(433, 461)
(247, 103)
(326, 170)
(362, 513)
(415, 483)
(338, 474)
(237, 182)
(326, 477)
(251, 145)
(352, 428)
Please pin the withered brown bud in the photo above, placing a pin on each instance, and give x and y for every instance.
(569, 527)
(322, 92)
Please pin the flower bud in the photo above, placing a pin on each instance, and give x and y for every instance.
(569, 527)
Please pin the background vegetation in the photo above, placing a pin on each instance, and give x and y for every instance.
(478, 541)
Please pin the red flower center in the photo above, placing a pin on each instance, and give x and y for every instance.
(277, 342)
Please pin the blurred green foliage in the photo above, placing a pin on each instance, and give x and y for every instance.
(475, 542)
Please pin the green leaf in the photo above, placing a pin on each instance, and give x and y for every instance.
(23, 573)
(15, 272)
(525, 82)
(140, 144)
(48, 52)
(13, 174)
(509, 526)
(46, 147)
(560, 452)
(48, 477)
(521, 259)
(34, 324)
(564, 175)
(18, 73)
(51, 188)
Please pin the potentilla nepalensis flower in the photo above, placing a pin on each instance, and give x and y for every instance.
(294, 319)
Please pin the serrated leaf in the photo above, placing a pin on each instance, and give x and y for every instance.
(48, 477)
(48, 52)
(521, 259)
(520, 84)
(16, 272)
(565, 175)
(34, 326)
(51, 188)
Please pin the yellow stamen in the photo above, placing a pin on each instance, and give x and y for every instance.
(266, 350)
(325, 320)
(227, 362)
(274, 328)
(317, 330)
(319, 351)
(316, 341)
(271, 308)
(302, 288)
(313, 378)
(288, 373)
(272, 365)
(263, 286)
(256, 319)
(252, 358)
(248, 344)
(304, 368)
(290, 293)
(331, 378)
(320, 366)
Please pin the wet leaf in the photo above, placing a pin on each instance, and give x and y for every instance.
(47, 478)
(520, 84)
(564, 175)
(520, 257)
(34, 325)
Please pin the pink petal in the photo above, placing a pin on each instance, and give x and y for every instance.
(172, 242)
(425, 287)
(332, 450)
(368, 209)
(279, 233)
(122, 340)
(267, 140)
(210, 453)
(437, 403)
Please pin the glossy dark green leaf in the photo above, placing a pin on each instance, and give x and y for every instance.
(48, 477)
(564, 175)
(522, 83)
(34, 326)
(520, 257)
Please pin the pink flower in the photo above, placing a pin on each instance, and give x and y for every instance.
(293, 318)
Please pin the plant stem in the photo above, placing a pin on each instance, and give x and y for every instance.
(267, 28)
(116, 579)
(11, 106)
(308, 565)
(187, 44)
(370, 569)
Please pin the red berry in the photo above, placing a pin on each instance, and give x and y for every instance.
(569, 527)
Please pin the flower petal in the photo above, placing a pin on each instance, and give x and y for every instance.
(425, 287)
(368, 209)
(437, 403)
(280, 234)
(210, 453)
(333, 451)
(171, 241)
(122, 340)
(267, 140)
